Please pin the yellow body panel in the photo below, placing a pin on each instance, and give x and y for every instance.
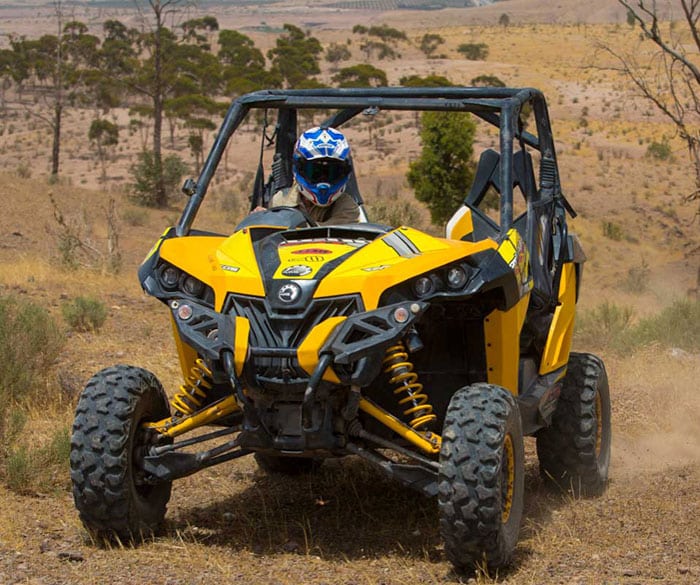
(502, 338)
(185, 353)
(307, 352)
(217, 261)
(558, 346)
(460, 225)
(240, 343)
(378, 266)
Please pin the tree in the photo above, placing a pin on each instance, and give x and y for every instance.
(56, 65)
(243, 64)
(504, 20)
(428, 81)
(361, 75)
(170, 67)
(665, 71)
(487, 81)
(445, 167)
(103, 135)
(430, 42)
(337, 52)
(474, 51)
(295, 56)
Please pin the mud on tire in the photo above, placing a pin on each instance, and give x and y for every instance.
(111, 497)
(574, 451)
(481, 479)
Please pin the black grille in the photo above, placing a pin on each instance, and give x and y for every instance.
(272, 332)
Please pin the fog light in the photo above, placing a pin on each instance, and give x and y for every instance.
(456, 277)
(423, 286)
(184, 312)
(401, 314)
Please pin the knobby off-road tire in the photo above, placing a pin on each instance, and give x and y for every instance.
(481, 478)
(112, 500)
(574, 451)
(276, 464)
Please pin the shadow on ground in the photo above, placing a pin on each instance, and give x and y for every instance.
(345, 510)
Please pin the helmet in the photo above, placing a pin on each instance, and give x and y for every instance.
(322, 164)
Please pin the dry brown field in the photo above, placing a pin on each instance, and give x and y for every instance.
(349, 525)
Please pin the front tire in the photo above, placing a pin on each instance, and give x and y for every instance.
(109, 492)
(481, 478)
(574, 451)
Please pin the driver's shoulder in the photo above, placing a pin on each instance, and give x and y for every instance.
(286, 197)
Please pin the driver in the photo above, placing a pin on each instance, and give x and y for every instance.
(321, 166)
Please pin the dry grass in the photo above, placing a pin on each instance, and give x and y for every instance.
(348, 524)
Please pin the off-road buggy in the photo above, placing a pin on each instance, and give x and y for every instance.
(428, 357)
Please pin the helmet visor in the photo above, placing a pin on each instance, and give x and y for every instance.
(323, 170)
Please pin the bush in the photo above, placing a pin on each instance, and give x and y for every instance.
(145, 178)
(30, 341)
(474, 51)
(85, 314)
(675, 326)
(604, 326)
(609, 326)
(659, 150)
(30, 468)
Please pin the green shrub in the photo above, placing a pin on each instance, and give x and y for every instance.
(30, 341)
(474, 51)
(85, 314)
(134, 217)
(143, 189)
(675, 326)
(610, 327)
(613, 231)
(603, 326)
(659, 150)
(29, 468)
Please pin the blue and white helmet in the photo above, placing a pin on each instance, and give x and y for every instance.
(322, 164)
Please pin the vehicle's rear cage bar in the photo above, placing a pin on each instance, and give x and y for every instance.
(500, 107)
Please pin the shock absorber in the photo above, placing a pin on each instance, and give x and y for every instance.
(193, 392)
(415, 401)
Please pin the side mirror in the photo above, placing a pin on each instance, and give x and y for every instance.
(189, 187)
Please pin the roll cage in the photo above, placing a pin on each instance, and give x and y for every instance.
(500, 107)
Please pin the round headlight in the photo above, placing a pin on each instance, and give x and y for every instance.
(456, 277)
(169, 277)
(423, 286)
(192, 286)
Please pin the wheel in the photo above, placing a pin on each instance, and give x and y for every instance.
(481, 477)
(109, 492)
(286, 465)
(574, 451)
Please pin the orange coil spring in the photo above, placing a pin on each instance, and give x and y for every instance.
(396, 364)
(194, 391)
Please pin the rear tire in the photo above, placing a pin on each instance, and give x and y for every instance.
(109, 492)
(481, 478)
(574, 451)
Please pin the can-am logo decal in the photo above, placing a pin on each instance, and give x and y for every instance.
(230, 268)
(312, 251)
(289, 292)
(297, 270)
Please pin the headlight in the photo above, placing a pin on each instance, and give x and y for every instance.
(169, 277)
(456, 277)
(192, 286)
(423, 286)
